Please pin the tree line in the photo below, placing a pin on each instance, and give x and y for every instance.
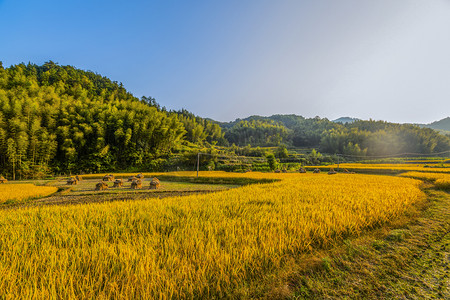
(59, 119)
(359, 138)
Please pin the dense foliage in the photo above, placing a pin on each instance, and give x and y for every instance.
(359, 138)
(257, 133)
(199, 130)
(382, 138)
(67, 119)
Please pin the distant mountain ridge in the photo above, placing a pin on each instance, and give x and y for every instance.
(290, 119)
(443, 125)
(345, 120)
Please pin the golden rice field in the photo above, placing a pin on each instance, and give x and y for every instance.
(384, 167)
(423, 161)
(440, 180)
(19, 192)
(199, 246)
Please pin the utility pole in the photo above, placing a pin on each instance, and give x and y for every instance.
(338, 163)
(198, 162)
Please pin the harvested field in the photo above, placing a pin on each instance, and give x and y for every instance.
(62, 199)
(84, 192)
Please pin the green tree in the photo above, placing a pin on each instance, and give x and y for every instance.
(272, 161)
(282, 152)
(315, 156)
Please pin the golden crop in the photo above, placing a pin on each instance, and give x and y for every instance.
(426, 161)
(397, 167)
(440, 180)
(199, 246)
(24, 191)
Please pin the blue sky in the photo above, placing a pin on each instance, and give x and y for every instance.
(385, 60)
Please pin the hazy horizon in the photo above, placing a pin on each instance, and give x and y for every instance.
(322, 117)
(379, 60)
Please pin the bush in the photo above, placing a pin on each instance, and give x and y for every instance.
(272, 161)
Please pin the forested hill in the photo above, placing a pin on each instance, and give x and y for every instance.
(358, 138)
(67, 119)
(442, 125)
(61, 119)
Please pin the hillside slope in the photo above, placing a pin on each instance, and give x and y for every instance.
(356, 138)
(70, 120)
(441, 125)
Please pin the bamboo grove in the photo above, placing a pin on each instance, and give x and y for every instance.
(70, 120)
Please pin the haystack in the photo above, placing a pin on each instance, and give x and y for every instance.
(316, 171)
(72, 181)
(3, 179)
(118, 183)
(140, 176)
(101, 186)
(332, 172)
(136, 184)
(132, 178)
(154, 184)
(302, 170)
(109, 177)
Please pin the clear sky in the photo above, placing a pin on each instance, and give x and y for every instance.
(385, 60)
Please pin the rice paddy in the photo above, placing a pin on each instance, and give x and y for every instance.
(386, 168)
(22, 192)
(200, 246)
